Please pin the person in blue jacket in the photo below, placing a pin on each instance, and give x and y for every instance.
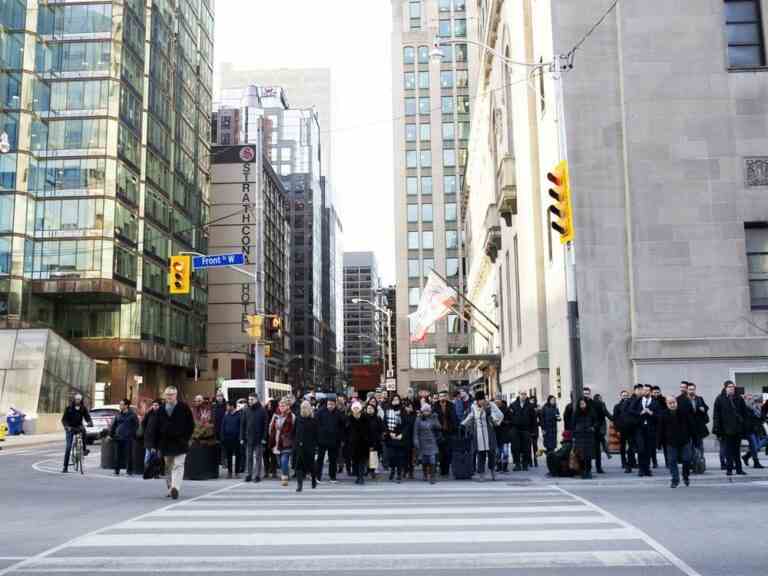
(230, 437)
(123, 434)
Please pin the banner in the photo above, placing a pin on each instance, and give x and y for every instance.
(437, 299)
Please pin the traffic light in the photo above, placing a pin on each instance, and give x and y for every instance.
(180, 274)
(561, 208)
(274, 327)
(255, 326)
(268, 351)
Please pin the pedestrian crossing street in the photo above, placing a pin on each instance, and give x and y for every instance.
(489, 529)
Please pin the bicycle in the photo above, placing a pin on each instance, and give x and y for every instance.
(78, 453)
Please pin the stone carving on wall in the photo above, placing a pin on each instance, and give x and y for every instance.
(757, 171)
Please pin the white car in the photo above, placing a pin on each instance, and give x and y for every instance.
(102, 419)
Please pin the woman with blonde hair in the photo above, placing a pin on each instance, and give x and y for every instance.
(281, 438)
(305, 444)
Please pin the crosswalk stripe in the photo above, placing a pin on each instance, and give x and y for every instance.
(307, 510)
(179, 539)
(367, 523)
(356, 563)
(393, 502)
(413, 488)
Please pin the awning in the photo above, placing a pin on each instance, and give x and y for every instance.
(465, 363)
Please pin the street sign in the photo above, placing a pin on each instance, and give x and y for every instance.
(391, 385)
(218, 261)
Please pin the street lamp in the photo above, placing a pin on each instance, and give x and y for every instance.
(437, 52)
(388, 313)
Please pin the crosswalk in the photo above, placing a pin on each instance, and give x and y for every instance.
(488, 529)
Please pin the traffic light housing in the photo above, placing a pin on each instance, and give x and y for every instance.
(561, 208)
(180, 275)
(274, 327)
(255, 327)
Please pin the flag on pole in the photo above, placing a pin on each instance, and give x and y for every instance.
(437, 300)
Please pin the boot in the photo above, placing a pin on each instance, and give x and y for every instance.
(757, 464)
(746, 459)
(392, 474)
(314, 482)
(299, 482)
(493, 475)
(284, 480)
(505, 467)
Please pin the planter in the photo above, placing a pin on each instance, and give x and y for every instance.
(202, 463)
(108, 456)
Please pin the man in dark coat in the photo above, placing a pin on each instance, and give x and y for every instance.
(72, 420)
(174, 431)
(730, 418)
(674, 430)
(357, 427)
(253, 435)
(123, 433)
(446, 415)
(700, 412)
(644, 410)
(330, 433)
(626, 442)
(522, 418)
(601, 414)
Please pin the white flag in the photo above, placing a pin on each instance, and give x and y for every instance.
(437, 299)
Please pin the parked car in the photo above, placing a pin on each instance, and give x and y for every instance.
(102, 420)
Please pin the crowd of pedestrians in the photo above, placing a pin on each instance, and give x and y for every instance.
(466, 435)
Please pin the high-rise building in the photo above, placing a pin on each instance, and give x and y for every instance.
(292, 138)
(333, 296)
(362, 323)
(432, 104)
(107, 110)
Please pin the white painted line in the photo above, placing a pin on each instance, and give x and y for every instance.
(405, 494)
(188, 511)
(356, 563)
(12, 558)
(297, 539)
(411, 488)
(372, 523)
(45, 554)
(308, 500)
(674, 560)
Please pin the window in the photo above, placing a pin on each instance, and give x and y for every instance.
(414, 295)
(745, 33)
(425, 160)
(410, 132)
(463, 157)
(447, 54)
(449, 185)
(451, 239)
(461, 52)
(449, 131)
(409, 55)
(462, 104)
(411, 159)
(424, 80)
(413, 212)
(445, 28)
(462, 79)
(426, 212)
(450, 212)
(410, 106)
(757, 263)
(424, 106)
(518, 312)
(446, 79)
(427, 240)
(451, 267)
(453, 324)
(449, 158)
(428, 265)
(459, 5)
(409, 81)
(412, 185)
(447, 106)
(460, 28)
(413, 268)
(414, 13)
(423, 358)
(445, 5)
(413, 240)
(509, 298)
(423, 54)
(463, 130)
(426, 185)
(425, 132)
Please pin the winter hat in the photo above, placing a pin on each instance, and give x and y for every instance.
(480, 395)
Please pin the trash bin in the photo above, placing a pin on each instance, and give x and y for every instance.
(107, 454)
(202, 463)
(15, 425)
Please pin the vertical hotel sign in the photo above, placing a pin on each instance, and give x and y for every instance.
(247, 157)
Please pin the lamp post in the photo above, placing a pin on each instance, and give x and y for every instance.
(388, 314)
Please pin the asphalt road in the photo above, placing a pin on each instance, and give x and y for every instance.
(68, 524)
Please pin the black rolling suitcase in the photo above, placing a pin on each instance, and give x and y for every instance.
(462, 460)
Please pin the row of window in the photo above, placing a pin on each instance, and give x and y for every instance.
(424, 131)
(423, 158)
(744, 30)
(426, 240)
(420, 268)
(412, 185)
(426, 212)
(415, 10)
(448, 105)
(451, 53)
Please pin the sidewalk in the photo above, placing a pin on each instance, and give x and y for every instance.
(31, 440)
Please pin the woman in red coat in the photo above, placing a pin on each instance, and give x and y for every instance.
(281, 438)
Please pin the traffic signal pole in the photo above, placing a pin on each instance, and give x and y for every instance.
(571, 291)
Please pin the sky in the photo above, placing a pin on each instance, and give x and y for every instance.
(353, 39)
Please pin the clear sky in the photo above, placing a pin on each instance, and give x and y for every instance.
(353, 39)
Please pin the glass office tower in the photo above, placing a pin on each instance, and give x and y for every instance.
(107, 176)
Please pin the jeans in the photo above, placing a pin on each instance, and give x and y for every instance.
(174, 471)
(756, 443)
(124, 451)
(285, 462)
(679, 454)
(482, 457)
(70, 440)
(333, 455)
(254, 458)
